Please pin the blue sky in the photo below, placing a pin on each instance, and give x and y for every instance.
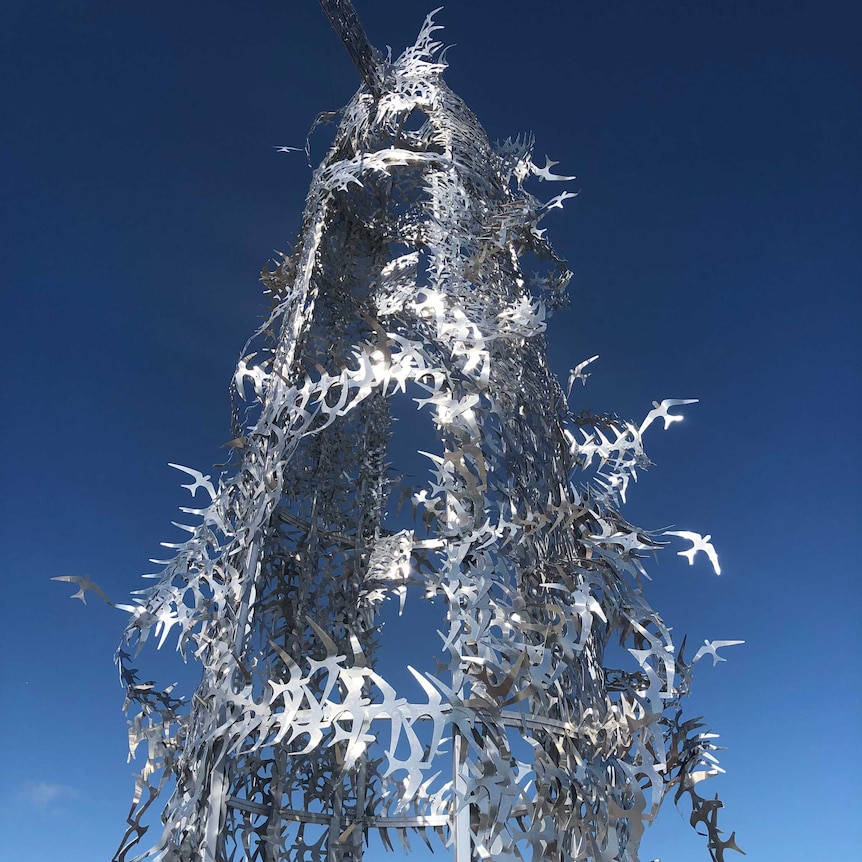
(717, 152)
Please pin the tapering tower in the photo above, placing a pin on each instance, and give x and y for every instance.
(409, 281)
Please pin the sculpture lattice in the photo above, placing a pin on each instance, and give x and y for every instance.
(407, 278)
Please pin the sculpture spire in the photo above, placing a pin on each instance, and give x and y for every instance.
(365, 56)
(552, 728)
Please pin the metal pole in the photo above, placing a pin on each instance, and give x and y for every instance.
(365, 56)
(461, 814)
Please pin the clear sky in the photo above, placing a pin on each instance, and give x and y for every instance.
(717, 148)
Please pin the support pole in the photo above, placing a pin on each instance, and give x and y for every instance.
(461, 814)
(365, 56)
(333, 851)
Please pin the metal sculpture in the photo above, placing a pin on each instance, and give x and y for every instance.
(529, 742)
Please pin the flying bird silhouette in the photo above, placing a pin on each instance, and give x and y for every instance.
(200, 481)
(698, 543)
(710, 647)
(545, 172)
(660, 411)
(255, 372)
(84, 583)
(577, 373)
(557, 202)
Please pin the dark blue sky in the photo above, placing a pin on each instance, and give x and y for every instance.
(717, 147)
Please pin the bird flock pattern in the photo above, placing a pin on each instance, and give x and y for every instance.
(537, 738)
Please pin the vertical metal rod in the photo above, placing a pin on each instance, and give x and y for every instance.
(361, 784)
(249, 577)
(349, 28)
(215, 806)
(333, 851)
(461, 814)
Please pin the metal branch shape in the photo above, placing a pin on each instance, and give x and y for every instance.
(552, 728)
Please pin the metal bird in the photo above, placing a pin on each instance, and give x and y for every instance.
(85, 584)
(557, 202)
(200, 481)
(255, 372)
(545, 172)
(699, 543)
(660, 411)
(710, 647)
(577, 373)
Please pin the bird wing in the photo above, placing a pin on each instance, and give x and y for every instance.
(677, 402)
(710, 648)
(577, 373)
(195, 474)
(85, 584)
(699, 543)
(684, 534)
(659, 411)
(557, 202)
(710, 551)
(200, 481)
(545, 172)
